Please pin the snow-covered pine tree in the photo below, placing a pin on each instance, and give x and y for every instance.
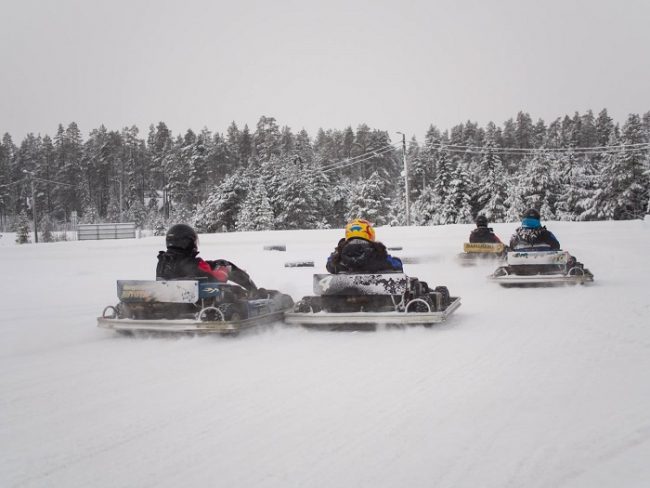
(554, 135)
(490, 186)
(27, 159)
(7, 190)
(524, 131)
(256, 212)
(135, 172)
(101, 167)
(442, 212)
(577, 180)
(198, 169)
(575, 131)
(348, 142)
(539, 184)
(588, 132)
(180, 176)
(626, 186)
(45, 170)
(272, 173)
(221, 160)
(459, 197)
(68, 150)
(287, 142)
(539, 134)
(339, 195)
(515, 203)
(362, 145)
(245, 147)
(370, 201)
(159, 146)
(568, 192)
(509, 139)
(587, 182)
(298, 198)
(605, 128)
(304, 148)
(233, 140)
(267, 139)
(418, 167)
(424, 209)
(221, 208)
(645, 120)
(387, 162)
(568, 132)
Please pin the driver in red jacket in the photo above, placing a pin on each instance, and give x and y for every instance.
(180, 260)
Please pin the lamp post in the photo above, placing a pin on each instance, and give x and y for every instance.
(406, 180)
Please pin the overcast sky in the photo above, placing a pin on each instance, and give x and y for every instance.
(395, 65)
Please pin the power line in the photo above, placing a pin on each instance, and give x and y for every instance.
(503, 153)
(581, 148)
(461, 149)
(12, 184)
(348, 163)
(456, 148)
(360, 156)
(36, 178)
(56, 182)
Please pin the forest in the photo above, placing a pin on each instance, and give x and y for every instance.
(580, 167)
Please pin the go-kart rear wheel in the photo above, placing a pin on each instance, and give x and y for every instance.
(444, 292)
(576, 271)
(423, 304)
(232, 312)
(307, 305)
(210, 314)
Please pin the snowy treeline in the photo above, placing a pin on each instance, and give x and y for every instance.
(272, 178)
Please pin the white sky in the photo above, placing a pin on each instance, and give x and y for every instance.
(397, 66)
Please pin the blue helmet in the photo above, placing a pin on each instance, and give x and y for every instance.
(531, 219)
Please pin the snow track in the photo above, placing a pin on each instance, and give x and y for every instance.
(521, 387)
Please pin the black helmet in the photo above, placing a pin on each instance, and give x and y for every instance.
(531, 213)
(481, 221)
(183, 237)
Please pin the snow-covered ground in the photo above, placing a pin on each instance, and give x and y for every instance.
(520, 388)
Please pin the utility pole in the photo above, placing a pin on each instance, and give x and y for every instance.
(406, 180)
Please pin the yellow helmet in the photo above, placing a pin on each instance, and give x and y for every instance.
(360, 228)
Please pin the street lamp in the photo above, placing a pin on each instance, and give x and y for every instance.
(406, 180)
